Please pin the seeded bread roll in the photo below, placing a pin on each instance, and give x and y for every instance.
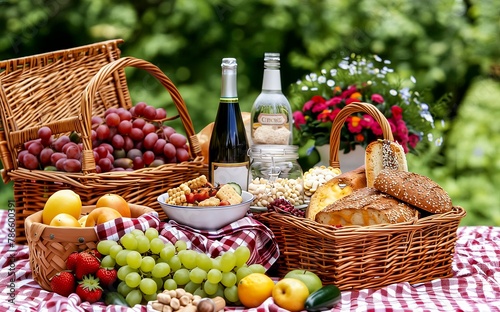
(366, 206)
(334, 189)
(414, 189)
(383, 154)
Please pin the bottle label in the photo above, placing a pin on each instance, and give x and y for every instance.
(223, 173)
(272, 119)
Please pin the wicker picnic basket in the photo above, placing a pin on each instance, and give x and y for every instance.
(63, 90)
(50, 246)
(356, 257)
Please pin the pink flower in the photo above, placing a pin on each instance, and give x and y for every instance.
(354, 124)
(298, 119)
(367, 121)
(309, 105)
(397, 112)
(377, 98)
(413, 140)
(350, 90)
(334, 101)
(376, 129)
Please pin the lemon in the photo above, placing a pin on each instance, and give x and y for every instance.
(62, 201)
(254, 289)
(82, 220)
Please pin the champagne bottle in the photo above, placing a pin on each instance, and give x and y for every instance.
(271, 115)
(228, 150)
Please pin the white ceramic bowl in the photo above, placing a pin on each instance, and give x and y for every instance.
(206, 218)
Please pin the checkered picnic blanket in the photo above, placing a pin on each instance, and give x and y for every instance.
(475, 285)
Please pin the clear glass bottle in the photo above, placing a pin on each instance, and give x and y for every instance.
(228, 150)
(275, 173)
(271, 115)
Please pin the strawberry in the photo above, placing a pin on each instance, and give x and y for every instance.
(96, 253)
(63, 283)
(88, 289)
(72, 260)
(106, 276)
(87, 264)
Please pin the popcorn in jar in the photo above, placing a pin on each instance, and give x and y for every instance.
(275, 173)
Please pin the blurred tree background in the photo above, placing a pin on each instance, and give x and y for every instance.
(449, 46)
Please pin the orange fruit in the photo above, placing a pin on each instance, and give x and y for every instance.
(64, 219)
(116, 202)
(101, 215)
(254, 289)
(62, 201)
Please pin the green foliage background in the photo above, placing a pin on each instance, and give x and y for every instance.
(449, 46)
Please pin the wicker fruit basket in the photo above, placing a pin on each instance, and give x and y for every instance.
(63, 90)
(50, 246)
(355, 257)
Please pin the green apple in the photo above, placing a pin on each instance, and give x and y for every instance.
(312, 281)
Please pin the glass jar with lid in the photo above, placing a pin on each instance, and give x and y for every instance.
(275, 173)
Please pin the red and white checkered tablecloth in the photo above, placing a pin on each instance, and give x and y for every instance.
(475, 285)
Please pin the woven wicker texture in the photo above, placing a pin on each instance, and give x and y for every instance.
(356, 257)
(50, 246)
(63, 90)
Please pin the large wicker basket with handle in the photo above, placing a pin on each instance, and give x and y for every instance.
(356, 257)
(63, 90)
(50, 246)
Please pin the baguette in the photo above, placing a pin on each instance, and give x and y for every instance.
(366, 206)
(414, 189)
(383, 154)
(334, 189)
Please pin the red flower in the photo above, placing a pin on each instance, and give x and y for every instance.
(359, 137)
(377, 98)
(397, 112)
(324, 116)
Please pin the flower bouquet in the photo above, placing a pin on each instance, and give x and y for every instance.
(318, 98)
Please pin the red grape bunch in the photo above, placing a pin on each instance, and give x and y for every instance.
(121, 140)
(62, 154)
(134, 139)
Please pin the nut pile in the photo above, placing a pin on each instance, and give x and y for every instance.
(175, 300)
(265, 191)
(317, 176)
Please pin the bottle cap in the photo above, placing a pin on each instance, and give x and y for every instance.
(272, 59)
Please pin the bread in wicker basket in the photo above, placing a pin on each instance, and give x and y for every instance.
(50, 246)
(366, 257)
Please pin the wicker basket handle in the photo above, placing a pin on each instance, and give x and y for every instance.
(107, 71)
(339, 121)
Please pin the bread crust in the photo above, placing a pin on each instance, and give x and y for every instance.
(382, 154)
(366, 206)
(414, 189)
(334, 189)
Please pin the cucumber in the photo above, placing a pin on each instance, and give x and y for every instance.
(236, 187)
(113, 297)
(324, 298)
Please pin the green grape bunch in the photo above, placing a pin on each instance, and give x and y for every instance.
(147, 265)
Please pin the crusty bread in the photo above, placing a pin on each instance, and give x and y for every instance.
(366, 206)
(383, 154)
(414, 189)
(334, 189)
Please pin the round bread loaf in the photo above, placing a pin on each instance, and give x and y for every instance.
(414, 189)
(366, 206)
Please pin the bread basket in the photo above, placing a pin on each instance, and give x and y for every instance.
(355, 257)
(63, 90)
